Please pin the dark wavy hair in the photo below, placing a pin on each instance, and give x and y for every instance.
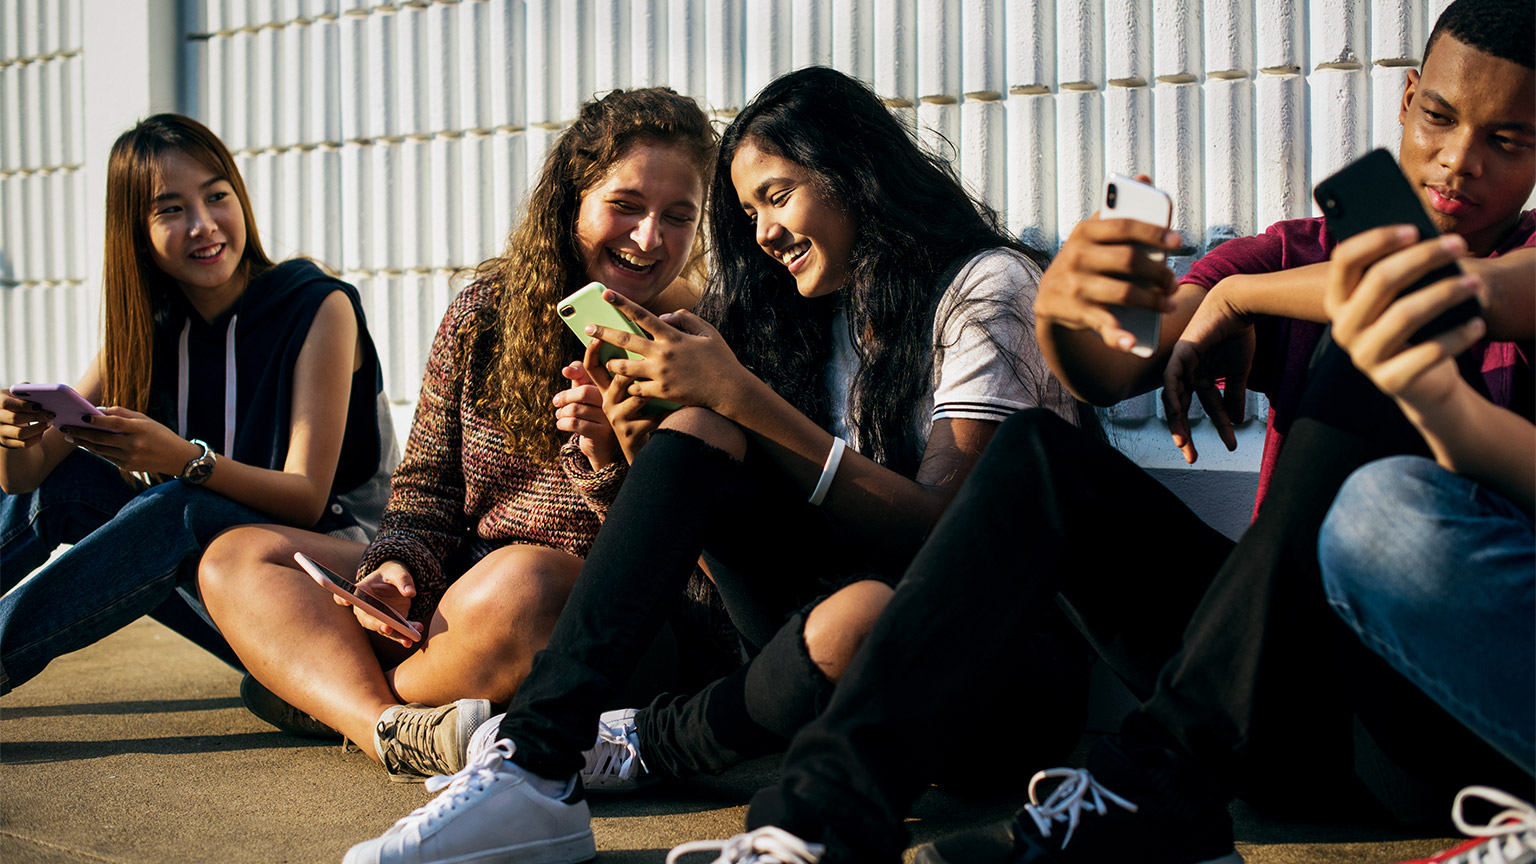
(915, 227)
(542, 261)
(1502, 28)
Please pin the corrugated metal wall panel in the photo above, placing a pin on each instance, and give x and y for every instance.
(51, 323)
(895, 50)
(1128, 130)
(810, 34)
(983, 56)
(765, 56)
(853, 34)
(1128, 42)
(1080, 25)
(648, 42)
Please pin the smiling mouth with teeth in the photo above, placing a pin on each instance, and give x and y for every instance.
(629, 262)
(210, 252)
(794, 253)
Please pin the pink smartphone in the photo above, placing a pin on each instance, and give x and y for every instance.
(69, 407)
(345, 588)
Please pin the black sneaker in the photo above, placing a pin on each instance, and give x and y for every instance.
(1151, 806)
(269, 707)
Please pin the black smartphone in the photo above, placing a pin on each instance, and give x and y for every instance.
(1371, 192)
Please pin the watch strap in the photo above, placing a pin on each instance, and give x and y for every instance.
(200, 467)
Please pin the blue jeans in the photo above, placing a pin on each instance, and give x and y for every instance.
(130, 553)
(1438, 575)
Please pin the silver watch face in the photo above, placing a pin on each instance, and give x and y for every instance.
(200, 469)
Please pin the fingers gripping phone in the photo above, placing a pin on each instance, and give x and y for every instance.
(1128, 198)
(68, 406)
(348, 590)
(587, 306)
(1372, 192)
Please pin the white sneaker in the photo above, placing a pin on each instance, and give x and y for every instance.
(612, 765)
(1508, 838)
(487, 812)
(766, 845)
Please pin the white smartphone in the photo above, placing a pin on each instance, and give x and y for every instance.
(1128, 198)
(68, 406)
(345, 588)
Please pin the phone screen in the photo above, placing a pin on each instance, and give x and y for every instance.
(369, 602)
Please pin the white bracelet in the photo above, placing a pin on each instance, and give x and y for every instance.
(828, 471)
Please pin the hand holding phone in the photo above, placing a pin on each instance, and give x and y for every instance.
(1128, 198)
(1373, 316)
(348, 590)
(587, 306)
(69, 407)
(1372, 192)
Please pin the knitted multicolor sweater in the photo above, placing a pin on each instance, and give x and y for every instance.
(459, 482)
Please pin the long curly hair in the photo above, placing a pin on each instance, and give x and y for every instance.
(916, 226)
(136, 294)
(542, 262)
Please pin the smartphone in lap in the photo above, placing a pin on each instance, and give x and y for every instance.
(587, 306)
(1372, 192)
(1128, 198)
(348, 590)
(68, 406)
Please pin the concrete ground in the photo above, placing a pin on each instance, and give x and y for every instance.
(137, 749)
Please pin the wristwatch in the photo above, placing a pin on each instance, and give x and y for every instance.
(200, 468)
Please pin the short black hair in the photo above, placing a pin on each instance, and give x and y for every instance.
(1503, 28)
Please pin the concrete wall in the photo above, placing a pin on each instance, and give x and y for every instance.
(394, 140)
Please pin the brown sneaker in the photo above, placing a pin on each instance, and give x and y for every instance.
(271, 708)
(416, 742)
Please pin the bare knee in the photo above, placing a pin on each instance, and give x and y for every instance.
(513, 595)
(709, 427)
(493, 620)
(837, 626)
(235, 554)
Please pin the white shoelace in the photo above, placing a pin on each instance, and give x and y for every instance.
(616, 752)
(1078, 791)
(460, 788)
(766, 845)
(1511, 832)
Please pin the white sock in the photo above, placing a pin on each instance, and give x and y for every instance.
(555, 789)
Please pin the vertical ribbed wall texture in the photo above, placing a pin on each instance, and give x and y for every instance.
(45, 332)
(394, 140)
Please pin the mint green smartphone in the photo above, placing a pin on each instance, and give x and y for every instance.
(587, 306)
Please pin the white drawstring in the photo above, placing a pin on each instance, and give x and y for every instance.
(183, 385)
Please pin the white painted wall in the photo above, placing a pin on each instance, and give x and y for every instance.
(394, 140)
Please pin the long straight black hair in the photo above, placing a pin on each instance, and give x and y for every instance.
(915, 225)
